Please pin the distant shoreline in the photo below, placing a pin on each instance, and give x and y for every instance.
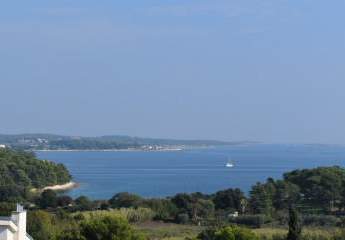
(109, 150)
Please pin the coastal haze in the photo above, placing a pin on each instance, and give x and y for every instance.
(268, 71)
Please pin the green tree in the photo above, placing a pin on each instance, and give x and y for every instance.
(229, 199)
(11, 193)
(295, 229)
(84, 203)
(182, 201)
(321, 187)
(163, 208)
(286, 194)
(261, 199)
(48, 199)
(64, 201)
(125, 200)
(201, 209)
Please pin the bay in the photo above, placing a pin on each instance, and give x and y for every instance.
(101, 174)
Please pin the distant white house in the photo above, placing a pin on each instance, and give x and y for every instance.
(2, 146)
(234, 214)
(14, 227)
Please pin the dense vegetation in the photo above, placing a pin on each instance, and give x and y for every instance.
(53, 142)
(268, 204)
(21, 171)
(45, 226)
(312, 198)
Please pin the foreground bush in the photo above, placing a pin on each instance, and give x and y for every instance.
(41, 225)
(108, 228)
(101, 228)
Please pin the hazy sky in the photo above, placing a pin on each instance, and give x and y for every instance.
(266, 70)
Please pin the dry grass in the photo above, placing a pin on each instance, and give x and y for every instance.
(132, 215)
(169, 231)
(308, 233)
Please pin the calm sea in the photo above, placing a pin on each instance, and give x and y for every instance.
(158, 174)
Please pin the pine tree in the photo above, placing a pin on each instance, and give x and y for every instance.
(295, 228)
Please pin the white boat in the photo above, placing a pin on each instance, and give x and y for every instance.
(229, 164)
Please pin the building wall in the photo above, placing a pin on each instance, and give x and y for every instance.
(6, 234)
(14, 228)
(20, 220)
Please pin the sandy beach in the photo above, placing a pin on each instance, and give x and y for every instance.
(63, 187)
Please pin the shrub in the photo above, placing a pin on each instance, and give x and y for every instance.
(182, 218)
(40, 225)
(320, 220)
(164, 209)
(84, 203)
(109, 227)
(250, 220)
(125, 200)
(339, 235)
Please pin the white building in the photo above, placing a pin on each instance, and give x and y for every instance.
(14, 227)
(233, 215)
(2, 146)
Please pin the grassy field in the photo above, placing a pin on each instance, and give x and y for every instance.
(168, 231)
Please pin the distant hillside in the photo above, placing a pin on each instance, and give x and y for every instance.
(58, 142)
(21, 171)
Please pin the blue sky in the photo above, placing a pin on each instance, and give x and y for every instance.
(265, 70)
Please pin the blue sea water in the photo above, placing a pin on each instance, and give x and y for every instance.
(158, 174)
